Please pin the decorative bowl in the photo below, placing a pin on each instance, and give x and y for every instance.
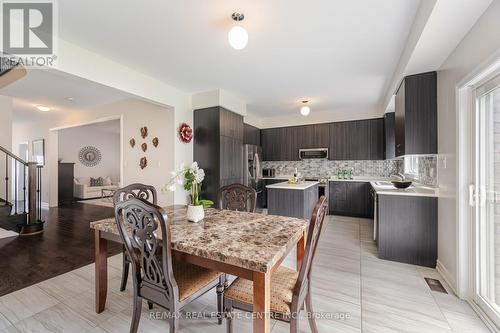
(401, 184)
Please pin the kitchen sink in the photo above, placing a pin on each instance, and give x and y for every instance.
(383, 183)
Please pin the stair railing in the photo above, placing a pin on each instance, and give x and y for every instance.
(31, 196)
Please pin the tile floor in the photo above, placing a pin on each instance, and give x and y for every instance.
(355, 289)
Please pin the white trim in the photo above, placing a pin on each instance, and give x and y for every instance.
(465, 107)
(95, 121)
(446, 275)
(45, 205)
(482, 315)
(54, 133)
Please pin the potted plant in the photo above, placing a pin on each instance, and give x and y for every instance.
(191, 178)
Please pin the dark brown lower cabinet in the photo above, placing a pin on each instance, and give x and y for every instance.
(293, 203)
(350, 198)
(407, 229)
(263, 198)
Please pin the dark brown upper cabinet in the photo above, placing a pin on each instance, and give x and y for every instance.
(416, 115)
(251, 135)
(390, 142)
(350, 140)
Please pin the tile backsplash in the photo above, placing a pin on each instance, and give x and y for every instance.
(422, 169)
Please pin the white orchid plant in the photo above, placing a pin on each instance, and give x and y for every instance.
(191, 177)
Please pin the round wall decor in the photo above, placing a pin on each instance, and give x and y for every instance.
(89, 156)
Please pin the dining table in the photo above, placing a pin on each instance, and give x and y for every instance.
(247, 245)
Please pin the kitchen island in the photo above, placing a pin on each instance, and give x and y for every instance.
(294, 200)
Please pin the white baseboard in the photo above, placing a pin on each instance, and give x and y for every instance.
(447, 276)
(45, 205)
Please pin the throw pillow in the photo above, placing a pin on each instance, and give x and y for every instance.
(100, 181)
(107, 181)
(94, 182)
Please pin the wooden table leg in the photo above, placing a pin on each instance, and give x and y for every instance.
(101, 272)
(261, 302)
(301, 247)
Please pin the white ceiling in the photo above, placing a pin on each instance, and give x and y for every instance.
(336, 53)
(49, 88)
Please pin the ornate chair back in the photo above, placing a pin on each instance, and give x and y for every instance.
(237, 197)
(145, 192)
(139, 224)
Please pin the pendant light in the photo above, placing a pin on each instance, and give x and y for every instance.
(237, 36)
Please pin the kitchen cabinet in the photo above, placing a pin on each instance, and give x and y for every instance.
(268, 181)
(390, 140)
(357, 140)
(416, 115)
(350, 140)
(407, 229)
(280, 144)
(251, 135)
(292, 202)
(231, 124)
(350, 198)
(218, 148)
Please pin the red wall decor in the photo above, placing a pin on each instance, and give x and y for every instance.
(185, 133)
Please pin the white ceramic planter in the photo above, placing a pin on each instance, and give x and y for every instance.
(195, 213)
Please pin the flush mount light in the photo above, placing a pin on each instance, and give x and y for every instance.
(305, 109)
(69, 98)
(42, 108)
(237, 36)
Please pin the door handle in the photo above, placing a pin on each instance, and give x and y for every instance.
(472, 195)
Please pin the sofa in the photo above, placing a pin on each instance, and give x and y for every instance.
(83, 190)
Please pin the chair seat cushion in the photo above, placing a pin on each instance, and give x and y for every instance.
(283, 282)
(191, 278)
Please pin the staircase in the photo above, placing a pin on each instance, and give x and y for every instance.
(10, 70)
(22, 212)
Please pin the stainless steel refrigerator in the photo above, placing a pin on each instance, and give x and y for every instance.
(252, 170)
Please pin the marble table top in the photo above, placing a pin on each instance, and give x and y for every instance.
(248, 240)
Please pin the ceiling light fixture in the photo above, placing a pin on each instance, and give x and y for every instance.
(305, 109)
(43, 108)
(238, 36)
(69, 98)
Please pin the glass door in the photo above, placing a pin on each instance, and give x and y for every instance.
(485, 198)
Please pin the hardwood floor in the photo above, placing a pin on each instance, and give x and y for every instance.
(353, 291)
(66, 244)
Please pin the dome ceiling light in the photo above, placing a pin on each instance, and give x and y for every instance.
(237, 36)
(305, 109)
(42, 108)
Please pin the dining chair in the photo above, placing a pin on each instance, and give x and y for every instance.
(157, 277)
(289, 289)
(237, 197)
(145, 192)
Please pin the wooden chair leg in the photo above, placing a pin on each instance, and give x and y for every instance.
(136, 314)
(310, 313)
(228, 314)
(125, 269)
(220, 298)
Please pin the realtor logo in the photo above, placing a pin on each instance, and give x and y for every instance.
(28, 28)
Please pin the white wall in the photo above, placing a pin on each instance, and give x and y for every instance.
(316, 117)
(134, 114)
(479, 44)
(83, 63)
(5, 136)
(72, 140)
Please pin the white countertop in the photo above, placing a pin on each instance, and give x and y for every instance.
(286, 186)
(414, 190)
(367, 179)
(279, 177)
